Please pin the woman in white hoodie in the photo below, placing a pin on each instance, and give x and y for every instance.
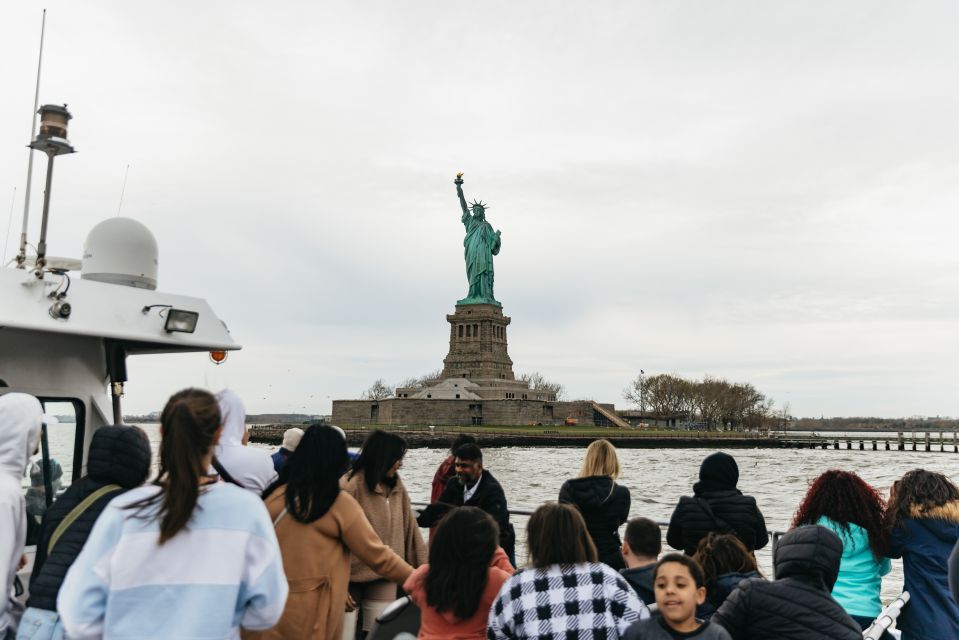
(20, 419)
(248, 467)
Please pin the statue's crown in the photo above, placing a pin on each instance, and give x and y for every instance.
(479, 203)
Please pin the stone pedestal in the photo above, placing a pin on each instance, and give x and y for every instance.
(478, 344)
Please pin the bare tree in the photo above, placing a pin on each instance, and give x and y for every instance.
(379, 390)
(425, 380)
(537, 382)
(664, 394)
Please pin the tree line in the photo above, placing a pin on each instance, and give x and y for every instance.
(713, 402)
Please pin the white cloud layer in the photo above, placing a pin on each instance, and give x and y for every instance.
(760, 191)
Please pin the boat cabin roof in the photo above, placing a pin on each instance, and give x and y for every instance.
(110, 311)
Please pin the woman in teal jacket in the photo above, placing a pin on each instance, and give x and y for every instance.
(845, 503)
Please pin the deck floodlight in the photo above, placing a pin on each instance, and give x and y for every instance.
(181, 321)
(52, 138)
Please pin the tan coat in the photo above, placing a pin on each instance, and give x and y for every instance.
(391, 514)
(316, 559)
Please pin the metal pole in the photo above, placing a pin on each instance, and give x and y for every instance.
(42, 245)
(47, 474)
(22, 255)
(116, 389)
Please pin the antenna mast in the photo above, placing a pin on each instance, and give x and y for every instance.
(22, 255)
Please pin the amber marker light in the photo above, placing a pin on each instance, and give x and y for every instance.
(218, 357)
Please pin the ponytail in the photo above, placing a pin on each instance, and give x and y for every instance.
(189, 423)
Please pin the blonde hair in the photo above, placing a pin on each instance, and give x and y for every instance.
(600, 460)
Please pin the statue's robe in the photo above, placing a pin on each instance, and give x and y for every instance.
(480, 245)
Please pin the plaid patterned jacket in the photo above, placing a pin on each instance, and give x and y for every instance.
(587, 601)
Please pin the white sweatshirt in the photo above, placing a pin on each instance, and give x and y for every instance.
(20, 419)
(251, 467)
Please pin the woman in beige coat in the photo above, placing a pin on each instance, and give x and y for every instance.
(375, 483)
(318, 525)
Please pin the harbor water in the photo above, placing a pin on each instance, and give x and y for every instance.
(656, 478)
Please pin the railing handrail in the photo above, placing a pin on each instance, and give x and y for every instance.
(775, 535)
(886, 617)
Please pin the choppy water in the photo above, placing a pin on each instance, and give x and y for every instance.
(778, 478)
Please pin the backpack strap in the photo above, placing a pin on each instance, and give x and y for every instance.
(77, 511)
(220, 469)
(722, 524)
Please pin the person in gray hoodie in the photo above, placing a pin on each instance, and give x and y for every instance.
(21, 417)
(245, 466)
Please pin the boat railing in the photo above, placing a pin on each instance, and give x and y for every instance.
(886, 617)
(774, 536)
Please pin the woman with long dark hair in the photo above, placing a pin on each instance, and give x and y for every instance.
(563, 570)
(845, 503)
(466, 570)
(923, 521)
(725, 562)
(375, 482)
(185, 557)
(603, 503)
(318, 526)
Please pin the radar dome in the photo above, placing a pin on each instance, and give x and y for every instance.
(121, 251)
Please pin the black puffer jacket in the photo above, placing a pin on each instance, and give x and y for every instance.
(797, 605)
(118, 455)
(731, 511)
(605, 507)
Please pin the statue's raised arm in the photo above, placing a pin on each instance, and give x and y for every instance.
(459, 192)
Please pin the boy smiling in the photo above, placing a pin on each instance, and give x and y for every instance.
(680, 587)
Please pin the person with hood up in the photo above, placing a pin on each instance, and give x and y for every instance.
(291, 438)
(603, 503)
(923, 519)
(21, 417)
(235, 462)
(716, 506)
(797, 605)
(118, 460)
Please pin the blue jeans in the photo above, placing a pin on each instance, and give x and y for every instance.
(40, 624)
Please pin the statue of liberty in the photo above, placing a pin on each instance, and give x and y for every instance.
(480, 245)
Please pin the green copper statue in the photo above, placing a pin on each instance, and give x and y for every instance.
(481, 244)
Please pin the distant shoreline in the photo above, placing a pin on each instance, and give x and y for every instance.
(555, 437)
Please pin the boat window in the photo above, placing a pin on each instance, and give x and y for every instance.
(58, 461)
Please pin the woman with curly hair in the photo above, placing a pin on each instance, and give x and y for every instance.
(923, 520)
(847, 504)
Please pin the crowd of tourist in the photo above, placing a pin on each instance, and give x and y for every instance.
(228, 541)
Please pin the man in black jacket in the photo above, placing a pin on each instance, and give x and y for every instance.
(473, 486)
(118, 460)
(798, 604)
(716, 506)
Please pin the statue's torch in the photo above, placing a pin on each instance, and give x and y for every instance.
(459, 178)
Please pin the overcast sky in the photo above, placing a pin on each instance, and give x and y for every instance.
(760, 191)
